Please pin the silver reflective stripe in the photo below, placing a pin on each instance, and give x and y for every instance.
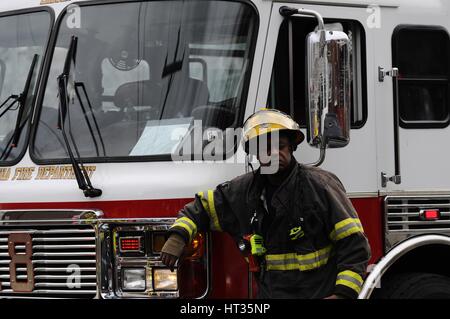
(291, 261)
(351, 279)
(283, 261)
(208, 200)
(315, 259)
(354, 225)
(347, 227)
(187, 224)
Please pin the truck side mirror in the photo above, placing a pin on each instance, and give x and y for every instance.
(329, 85)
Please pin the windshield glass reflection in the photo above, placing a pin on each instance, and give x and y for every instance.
(149, 70)
(21, 38)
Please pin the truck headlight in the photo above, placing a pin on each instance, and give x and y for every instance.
(131, 265)
(164, 279)
(133, 279)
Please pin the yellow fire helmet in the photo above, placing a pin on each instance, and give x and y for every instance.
(269, 120)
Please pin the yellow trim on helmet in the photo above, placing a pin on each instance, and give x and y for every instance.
(264, 129)
(267, 121)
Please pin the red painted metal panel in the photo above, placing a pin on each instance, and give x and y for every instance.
(229, 269)
(370, 211)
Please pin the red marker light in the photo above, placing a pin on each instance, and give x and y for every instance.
(130, 244)
(430, 214)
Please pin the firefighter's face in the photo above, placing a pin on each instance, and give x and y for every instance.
(280, 152)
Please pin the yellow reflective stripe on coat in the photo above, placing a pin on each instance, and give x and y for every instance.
(346, 228)
(208, 203)
(188, 225)
(350, 279)
(293, 261)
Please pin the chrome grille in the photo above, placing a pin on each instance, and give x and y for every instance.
(63, 259)
(403, 214)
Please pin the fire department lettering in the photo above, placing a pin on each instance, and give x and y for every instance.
(60, 172)
(23, 173)
(53, 172)
(5, 174)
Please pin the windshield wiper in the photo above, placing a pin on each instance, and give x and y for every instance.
(20, 100)
(171, 69)
(83, 87)
(83, 180)
(15, 99)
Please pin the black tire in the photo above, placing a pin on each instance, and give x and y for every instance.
(414, 286)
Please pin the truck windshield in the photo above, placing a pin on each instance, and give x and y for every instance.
(21, 38)
(142, 73)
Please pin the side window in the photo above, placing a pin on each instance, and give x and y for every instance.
(422, 55)
(280, 94)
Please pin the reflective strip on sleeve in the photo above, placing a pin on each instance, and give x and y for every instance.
(293, 261)
(346, 228)
(208, 203)
(350, 279)
(188, 225)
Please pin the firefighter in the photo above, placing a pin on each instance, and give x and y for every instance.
(296, 226)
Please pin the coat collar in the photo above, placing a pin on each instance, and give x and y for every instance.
(282, 194)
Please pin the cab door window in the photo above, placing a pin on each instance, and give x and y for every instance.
(422, 55)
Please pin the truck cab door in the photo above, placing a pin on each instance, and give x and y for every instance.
(418, 45)
(283, 86)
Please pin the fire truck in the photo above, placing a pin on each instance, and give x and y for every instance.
(109, 110)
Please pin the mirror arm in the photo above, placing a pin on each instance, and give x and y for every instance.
(323, 150)
(286, 11)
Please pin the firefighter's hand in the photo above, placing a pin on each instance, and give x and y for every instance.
(169, 260)
(172, 250)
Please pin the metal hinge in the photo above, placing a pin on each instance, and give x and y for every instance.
(382, 73)
(396, 179)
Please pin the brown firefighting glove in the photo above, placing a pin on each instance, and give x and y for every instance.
(172, 250)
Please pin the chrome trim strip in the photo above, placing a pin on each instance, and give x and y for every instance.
(60, 246)
(56, 239)
(434, 222)
(446, 214)
(419, 231)
(363, 195)
(52, 277)
(150, 221)
(412, 205)
(385, 4)
(418, 193)
(56, 285)
(47, 291)
(39, 269)
(50, 262)
(53, 231)
(64, 254)
(395, 254)
(44, 215)
(208, 250)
